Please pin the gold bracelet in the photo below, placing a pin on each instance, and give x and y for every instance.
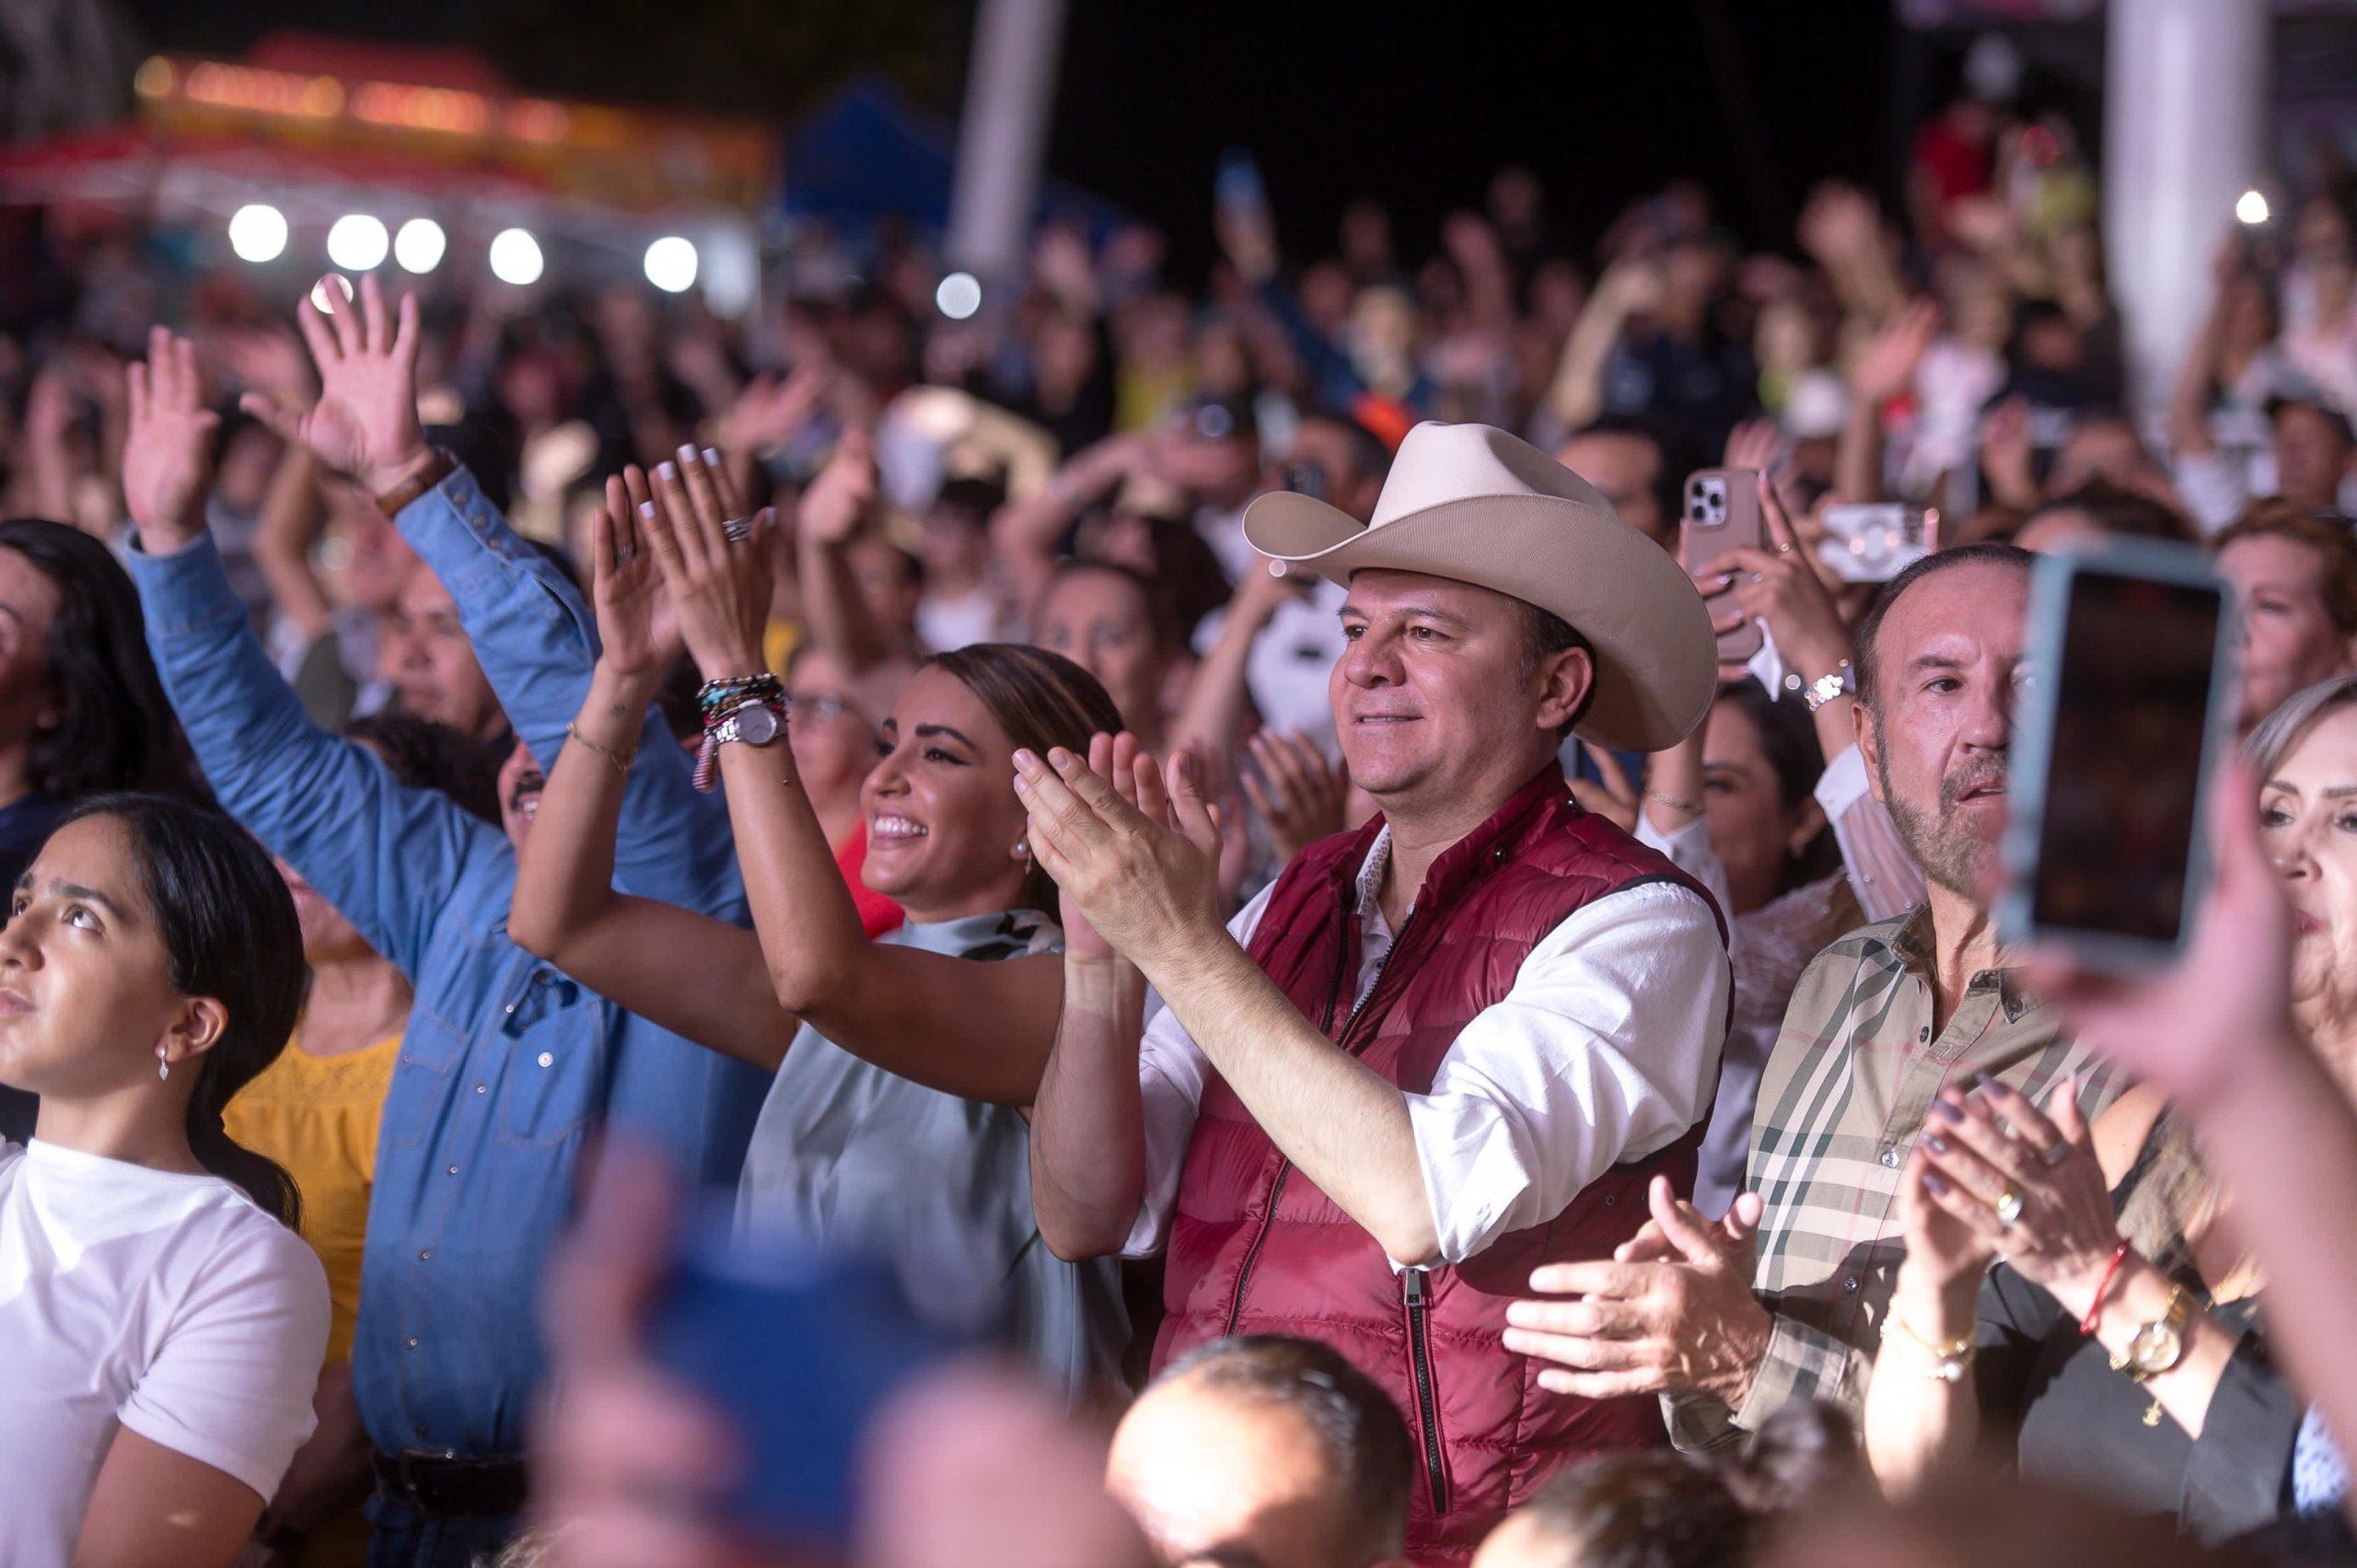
(620, 760)
(1692, 807)
(1947, 1362)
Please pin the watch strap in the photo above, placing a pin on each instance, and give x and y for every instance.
(440, 466)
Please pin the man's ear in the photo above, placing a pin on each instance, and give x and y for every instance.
(1564, 681)
(1869, 738)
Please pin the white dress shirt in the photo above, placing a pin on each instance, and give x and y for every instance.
(1606, 1049)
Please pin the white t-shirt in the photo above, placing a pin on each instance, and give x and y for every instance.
(168, 1304)
(1291, 661)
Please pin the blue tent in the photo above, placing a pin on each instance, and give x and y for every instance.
(868, 156)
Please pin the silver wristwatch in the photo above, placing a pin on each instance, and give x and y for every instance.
(1827, 687)
(755, 724)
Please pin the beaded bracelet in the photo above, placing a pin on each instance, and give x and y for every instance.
(715, 695)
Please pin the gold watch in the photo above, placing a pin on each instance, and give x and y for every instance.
(2158, 1345)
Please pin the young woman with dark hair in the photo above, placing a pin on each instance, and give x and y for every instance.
(81, 709)
(895, 1121)
(163, 1321)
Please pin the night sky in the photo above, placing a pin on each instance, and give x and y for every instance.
(1416, 104)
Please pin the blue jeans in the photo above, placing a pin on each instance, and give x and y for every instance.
(403, 1538)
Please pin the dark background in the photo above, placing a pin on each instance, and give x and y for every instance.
(1415, 104)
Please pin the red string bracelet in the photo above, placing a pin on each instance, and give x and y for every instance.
(2094, 1307)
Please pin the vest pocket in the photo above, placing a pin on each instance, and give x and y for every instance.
(1417, 1304)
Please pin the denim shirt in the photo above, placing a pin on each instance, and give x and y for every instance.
(506, 1063)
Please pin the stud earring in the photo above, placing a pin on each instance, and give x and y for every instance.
(1023, 849)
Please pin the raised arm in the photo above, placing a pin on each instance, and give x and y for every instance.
(1088, 1129)
(695, 975)
(526, 622)
(2189, 397)
(839, 501)
(981, 1030)
(387, 856)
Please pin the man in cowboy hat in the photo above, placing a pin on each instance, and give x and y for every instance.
(1436, 1050)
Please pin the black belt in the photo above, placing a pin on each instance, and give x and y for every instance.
(442, 1486)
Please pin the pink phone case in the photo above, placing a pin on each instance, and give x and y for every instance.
(1722, 514)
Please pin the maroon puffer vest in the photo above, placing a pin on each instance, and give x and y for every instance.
(1257, 1248)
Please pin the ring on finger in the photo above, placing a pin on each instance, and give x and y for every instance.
(2009, 1205)
(2055, 1156)
(623, 555)
(737, 530)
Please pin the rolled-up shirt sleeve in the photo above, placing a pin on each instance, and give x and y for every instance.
(1605, 1050)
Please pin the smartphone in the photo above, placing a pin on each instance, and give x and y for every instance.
(1873, 541)
(1722, 514)
(797, 1349)
(2128, 711)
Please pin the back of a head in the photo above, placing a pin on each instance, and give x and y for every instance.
(425, 755)
(1657, 1509)
(229, 931)
(1650, 1508)
(115, 729)
(1976, 1518)
(1363, 1436)
(2122, 513)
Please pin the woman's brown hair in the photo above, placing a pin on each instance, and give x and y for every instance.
(2336, 551)
(1041, 699)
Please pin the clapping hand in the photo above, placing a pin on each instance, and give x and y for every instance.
(2027, 1189)
(167, 457)
(714, 562)
(638, 629)
(1299, 792)
(843, 494)
(364, 424)
(1142, 884)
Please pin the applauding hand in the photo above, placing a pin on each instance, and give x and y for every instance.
(1145, 887)
(364, 424)
(714, 562)
(167, 461)
(637, 628)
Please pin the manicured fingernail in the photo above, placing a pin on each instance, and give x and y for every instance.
(688, 453)
(1025, 758)
(1939, 1145)
(712, 456)
(1949, 1109)
(668, 471)
(1934, 1185)
(1058, 757)
(1979, 1080)
(1022, 785)
(647, 510)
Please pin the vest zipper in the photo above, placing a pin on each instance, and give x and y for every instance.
(1419, 1356)
(1285, 1168)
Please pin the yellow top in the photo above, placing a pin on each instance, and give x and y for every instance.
(317, 1116)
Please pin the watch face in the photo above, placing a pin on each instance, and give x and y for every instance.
(758, 725)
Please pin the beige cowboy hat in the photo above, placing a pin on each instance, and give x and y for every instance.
(1476, 506)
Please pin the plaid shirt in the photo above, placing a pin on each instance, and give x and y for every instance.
(1853, 1075)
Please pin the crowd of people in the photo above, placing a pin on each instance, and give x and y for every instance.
(1369, 1003)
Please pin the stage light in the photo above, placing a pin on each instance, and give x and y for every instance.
(671, 264)
(356, 242)
(959, 295)
(2251, 207)
(418, 245)
(258, 232)
(516, 256)
(330, 294)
